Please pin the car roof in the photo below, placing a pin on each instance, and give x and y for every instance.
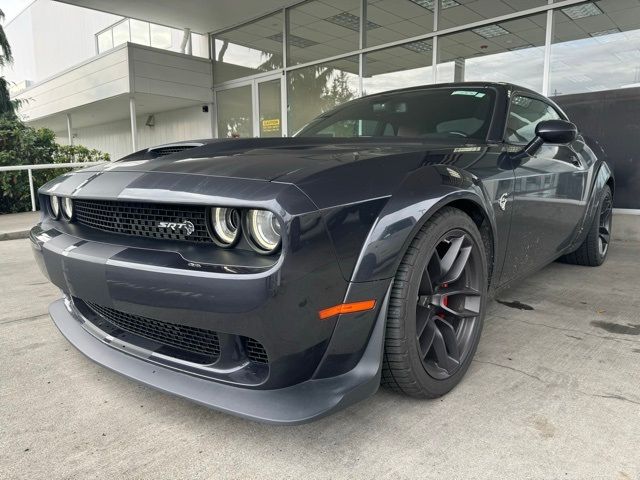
(503, 86)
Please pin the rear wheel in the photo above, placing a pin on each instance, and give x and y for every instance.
(593, 251)
(436, 308)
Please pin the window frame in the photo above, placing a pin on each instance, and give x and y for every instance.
(533, 96)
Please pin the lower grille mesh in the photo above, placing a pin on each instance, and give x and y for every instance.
(255, 351)
(190, 339)
(197, 340)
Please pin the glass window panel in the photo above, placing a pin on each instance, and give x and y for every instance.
(454, 13)
(161, 37)
(405, 66)
(596, 47)
(199, 45)
(269, 108)
(316, 89)
(140, 32)
(235, 118)
(511, 51)
(176, 40)
(392, 20)
(323, 28)
(121, 33)
(524, 115)
(249, 49)
(105, 41)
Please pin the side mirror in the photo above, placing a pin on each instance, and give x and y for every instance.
(554, 132)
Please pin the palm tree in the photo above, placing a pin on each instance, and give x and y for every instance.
(7, 106)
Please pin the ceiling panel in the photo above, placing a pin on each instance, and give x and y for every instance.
(201, 16)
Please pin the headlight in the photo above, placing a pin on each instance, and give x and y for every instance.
(263, 230)
(226, 226)
(67, 208)
(54, 204)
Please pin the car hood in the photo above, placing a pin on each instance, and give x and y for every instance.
(286, 160)
(329, 172)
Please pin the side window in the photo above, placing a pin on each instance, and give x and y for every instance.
(524, 115)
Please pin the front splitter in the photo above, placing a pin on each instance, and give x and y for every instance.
(300, 403)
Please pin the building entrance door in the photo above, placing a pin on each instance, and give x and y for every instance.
(250, 109)
(269, 108)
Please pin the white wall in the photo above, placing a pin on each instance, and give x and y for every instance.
(49, 37)
(115, 137)
(170, 74)
(20, 34)
(105, 77)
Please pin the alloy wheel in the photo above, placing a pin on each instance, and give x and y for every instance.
(604, 231)
(449, 303)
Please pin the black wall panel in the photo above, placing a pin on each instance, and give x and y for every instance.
(610, 120)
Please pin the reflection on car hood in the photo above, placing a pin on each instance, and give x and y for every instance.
(287, 160)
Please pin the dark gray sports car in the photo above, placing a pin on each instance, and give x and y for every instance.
(281, 279)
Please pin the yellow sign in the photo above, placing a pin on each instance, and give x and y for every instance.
(271, 125)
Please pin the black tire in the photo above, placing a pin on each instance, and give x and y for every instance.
(410, 365)
(593, 251)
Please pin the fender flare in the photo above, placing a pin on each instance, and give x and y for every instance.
(412, 204)
(603, 176)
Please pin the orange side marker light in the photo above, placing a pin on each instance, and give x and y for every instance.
(347, 308)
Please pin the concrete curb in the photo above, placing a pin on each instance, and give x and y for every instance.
(14, 235)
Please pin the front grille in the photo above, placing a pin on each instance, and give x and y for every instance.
(255, 351)
(143, 219)
(191, 339)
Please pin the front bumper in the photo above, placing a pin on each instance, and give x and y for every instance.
(300, 403)
(315, 367)
(227, 328)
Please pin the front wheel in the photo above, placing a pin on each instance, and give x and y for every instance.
(593, 251)
(436, 308)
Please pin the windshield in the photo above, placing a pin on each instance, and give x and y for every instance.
(438, 113)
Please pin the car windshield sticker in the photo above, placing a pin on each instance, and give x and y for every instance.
(469, 93)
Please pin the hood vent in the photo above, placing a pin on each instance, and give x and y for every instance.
(163, 150)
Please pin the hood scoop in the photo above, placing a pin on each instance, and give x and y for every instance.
(162, 150)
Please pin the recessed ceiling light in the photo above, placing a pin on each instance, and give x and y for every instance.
(602, 33)
(420, 46)
(582, 11)
(294, 40)
(522, 47)
(350, 21)
(578, 78)
(356, 59)
(491, 31)
(429, 4)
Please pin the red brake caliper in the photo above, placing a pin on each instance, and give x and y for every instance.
(445, 299)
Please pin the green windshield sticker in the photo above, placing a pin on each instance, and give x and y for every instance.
(470, 93)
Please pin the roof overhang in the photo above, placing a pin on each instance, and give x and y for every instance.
(112, 109)
(202, 16)
(168, 80)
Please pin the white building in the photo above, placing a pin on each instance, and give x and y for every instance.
(82, 78)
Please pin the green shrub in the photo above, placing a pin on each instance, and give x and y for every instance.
(23, 145)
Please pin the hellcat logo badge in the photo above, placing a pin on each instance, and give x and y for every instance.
(185, 226)
(503, 201)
